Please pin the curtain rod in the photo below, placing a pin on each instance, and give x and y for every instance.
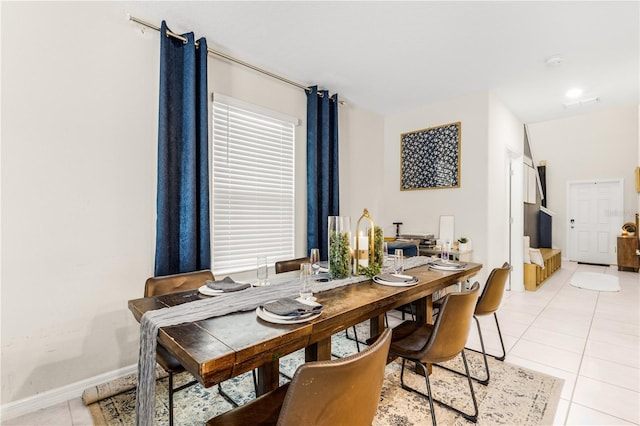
(225, 56)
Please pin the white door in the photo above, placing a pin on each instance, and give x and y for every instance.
(594, 216)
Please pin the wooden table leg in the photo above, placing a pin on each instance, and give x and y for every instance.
(376, 325)
(268, 377)
(319, 351)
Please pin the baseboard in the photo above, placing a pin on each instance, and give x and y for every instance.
(55, 396)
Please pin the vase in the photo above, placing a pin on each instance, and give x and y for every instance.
(378, 251)
(339, 235)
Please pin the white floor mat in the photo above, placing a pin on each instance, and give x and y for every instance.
(595, 281)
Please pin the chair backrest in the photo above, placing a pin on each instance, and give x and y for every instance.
(451, 329)
(344, 391)
(290, 265)
(157, 286)
(491, 296)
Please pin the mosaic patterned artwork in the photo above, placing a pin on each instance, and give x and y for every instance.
(515, 395)
(430, 158)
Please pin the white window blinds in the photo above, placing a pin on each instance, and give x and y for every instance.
(253, 185)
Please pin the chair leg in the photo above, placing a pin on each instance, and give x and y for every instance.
(255, 381)
(170, 399)
(474, 417)
(471, 417)
(411, 308)
(172, 391)
(226, 396)
(504, 353)
(428, 395)
(355, 334)
(355, 339)
(230, 400)
(484, 381)
(484, 354)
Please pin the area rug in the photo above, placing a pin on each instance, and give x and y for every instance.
(595, 281)
(115, 387)
(514, 395)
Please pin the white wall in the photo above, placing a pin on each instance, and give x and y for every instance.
(78, 214)
(505, 142)
(599, 145)
(420, 210)
(361, 164)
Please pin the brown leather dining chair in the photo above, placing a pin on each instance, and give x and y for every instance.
(343, 391)
(488, 303)
(290, 265)
(438, 342)
(158, 286)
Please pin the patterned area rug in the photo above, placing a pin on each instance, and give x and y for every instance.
(515, 395)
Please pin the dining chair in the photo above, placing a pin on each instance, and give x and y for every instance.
(342, 391)
(158, 286)
(438, 342)
(294, 265)
(290, 265)
(488, 303)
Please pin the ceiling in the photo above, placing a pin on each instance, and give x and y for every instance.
(390, 56)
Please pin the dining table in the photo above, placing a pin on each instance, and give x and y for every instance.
(218, 348)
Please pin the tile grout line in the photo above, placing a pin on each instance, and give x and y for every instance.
(546, 305)
(601, 412)
(586, 341)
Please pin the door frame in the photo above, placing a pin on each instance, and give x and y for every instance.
(619, 209)
(514, 170)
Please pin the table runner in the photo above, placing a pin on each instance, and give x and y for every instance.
(198, 310)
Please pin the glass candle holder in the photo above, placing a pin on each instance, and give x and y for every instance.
(339, 234)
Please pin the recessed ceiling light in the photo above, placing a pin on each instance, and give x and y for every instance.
(554, 61)
(581, 102)
(574, 93)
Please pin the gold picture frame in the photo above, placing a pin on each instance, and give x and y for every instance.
(430, 158)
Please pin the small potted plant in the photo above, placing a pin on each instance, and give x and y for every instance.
(463, 244)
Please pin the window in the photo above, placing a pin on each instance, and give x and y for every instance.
(253, 185)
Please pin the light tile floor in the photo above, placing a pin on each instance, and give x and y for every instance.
(590, 339)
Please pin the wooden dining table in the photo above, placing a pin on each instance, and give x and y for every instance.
(216, 349)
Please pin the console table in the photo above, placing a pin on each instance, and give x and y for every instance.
(627, 256)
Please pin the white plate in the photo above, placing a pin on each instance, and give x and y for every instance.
(279, 319)
(447, 268)
(211, 292)
(396, 284)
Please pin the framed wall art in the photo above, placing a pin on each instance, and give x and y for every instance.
(430, 158)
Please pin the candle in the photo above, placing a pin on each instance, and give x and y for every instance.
(363, 250)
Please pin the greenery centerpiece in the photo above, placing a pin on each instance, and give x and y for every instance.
(339, 233)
